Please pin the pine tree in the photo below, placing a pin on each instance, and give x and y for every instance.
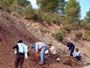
(51, 5)
(72, 10)
(87, 18)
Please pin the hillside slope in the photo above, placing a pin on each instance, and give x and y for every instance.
(11, 30)
(45, 33)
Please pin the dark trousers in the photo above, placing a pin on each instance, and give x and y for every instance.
(71, 51)
(19, 60)
(78, 57)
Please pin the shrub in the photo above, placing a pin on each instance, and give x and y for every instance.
(87, 35)
(49, 17)
(87, 26)
(35, 16)
(15, 14)
(67, 27)
(59, 36)
(78, 35)
(28, 11)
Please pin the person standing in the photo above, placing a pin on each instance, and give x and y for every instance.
(21, 51)
(40, 47)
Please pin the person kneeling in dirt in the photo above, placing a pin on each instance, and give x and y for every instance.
(40, 47)
(53, 52)
(52, 49)
(77, 54)
(21, 51)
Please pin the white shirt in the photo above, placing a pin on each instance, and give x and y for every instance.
(53, 50)
(23, 49)
(76, 54)
(39, 45)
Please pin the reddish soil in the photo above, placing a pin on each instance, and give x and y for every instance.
(11, 30)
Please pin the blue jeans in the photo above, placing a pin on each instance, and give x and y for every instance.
(42, 54)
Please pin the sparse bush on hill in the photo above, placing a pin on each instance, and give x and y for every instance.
(70, 19)
(81, 24)
(78, 35)
(28, 11)
(87, 35)
(76, 25)
(15, 6)
(16, 14)
(67, 27)
(59, 36)
(87, 26)
(35, 16)
(49, 17)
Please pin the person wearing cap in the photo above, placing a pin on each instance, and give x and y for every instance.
(21, 51)
(40, 47)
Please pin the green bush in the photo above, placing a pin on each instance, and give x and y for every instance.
(28, 11)
(15, 14)
(87, 26)
(59, 36)
(67, 27)
(87, 35)
(78, 34)
(35, 16)
(49, 17)
(82, 24)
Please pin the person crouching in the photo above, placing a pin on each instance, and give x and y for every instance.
(40, 47)
(53, 53)
(77, 54)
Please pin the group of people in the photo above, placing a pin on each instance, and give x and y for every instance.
(74, 52)
(41, 48)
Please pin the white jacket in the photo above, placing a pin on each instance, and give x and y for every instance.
(76, 54)
(23, 49)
